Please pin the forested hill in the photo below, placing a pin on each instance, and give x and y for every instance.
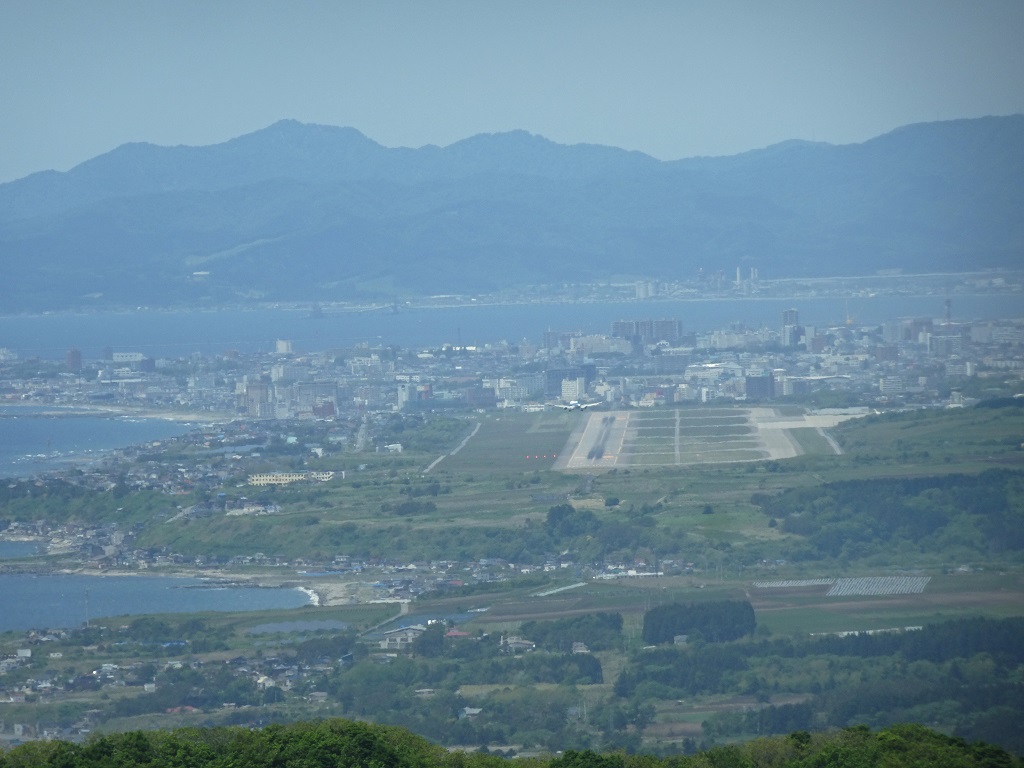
(319, 213)
(941, 516)
(347, 744)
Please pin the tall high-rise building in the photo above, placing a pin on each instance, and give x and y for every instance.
(256, 398)
(760, 386)
(648, 330)
(945, 345)
(790, 327)
(668, 330)
(624, 329)
(552, 340)
(73, 361)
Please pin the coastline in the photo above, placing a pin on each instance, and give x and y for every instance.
(321, 594)
(50, 410)
(783, 288)
(50, 439)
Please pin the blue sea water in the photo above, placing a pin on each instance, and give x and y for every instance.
(10, 550)
(180, 334)
(33, 442)
(38, 601)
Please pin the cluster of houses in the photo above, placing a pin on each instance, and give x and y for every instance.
(51, 680)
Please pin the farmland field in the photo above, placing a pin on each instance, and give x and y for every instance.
(805, 607)
(819, 608)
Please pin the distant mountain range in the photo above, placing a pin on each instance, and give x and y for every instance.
(317, 213)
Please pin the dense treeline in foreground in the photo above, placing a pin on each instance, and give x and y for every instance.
(360, 745)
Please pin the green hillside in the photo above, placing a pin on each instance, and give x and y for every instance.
(357, 745)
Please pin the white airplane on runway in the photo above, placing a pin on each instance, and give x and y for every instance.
(575, 405)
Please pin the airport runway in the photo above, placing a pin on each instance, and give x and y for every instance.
(604, 440)
(600, 443)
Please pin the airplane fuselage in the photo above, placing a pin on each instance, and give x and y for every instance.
(576, 405)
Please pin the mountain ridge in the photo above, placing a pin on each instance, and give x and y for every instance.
(320, 213)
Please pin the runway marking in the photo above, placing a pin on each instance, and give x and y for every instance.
(679, 454)
(622, 438)
(669, 437)
(583, 441)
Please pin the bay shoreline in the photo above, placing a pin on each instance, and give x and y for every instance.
(321, 593)
(49, 410)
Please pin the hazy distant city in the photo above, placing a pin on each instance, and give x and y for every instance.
(643, 362)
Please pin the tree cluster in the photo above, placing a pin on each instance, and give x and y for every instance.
(598, 631)
(713, 621)
(339, 743)
(972, 514)
(963, 674)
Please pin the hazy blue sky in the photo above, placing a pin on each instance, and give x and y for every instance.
(671, 78)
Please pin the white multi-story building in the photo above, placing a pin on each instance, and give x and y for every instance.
(574, 389)
(285, 478)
